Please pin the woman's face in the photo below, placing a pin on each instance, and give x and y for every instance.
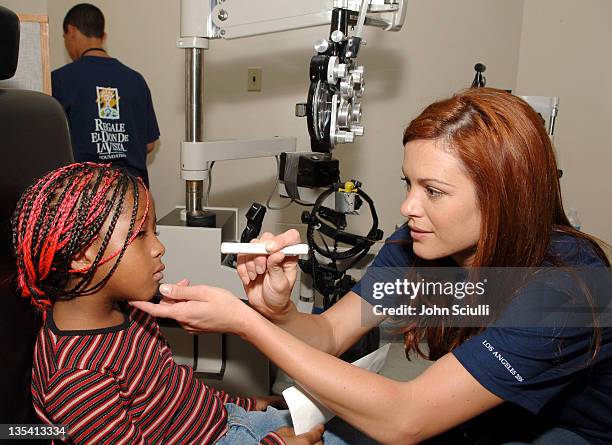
(441, 205)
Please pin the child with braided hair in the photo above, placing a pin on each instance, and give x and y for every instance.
(85, 242)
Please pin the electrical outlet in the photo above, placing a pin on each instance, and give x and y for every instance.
(254, 79)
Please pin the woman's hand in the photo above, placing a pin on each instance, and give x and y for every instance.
(200, 308)
(269, 279)
(312, 437)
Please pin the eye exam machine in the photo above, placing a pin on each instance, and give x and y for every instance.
(193, 233)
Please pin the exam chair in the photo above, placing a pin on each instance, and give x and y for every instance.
(34, 140)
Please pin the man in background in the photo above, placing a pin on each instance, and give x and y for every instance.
(108, 105)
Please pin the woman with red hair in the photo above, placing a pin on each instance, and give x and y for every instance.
(482, 192)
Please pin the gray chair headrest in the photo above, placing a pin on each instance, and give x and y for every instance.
(9, 43)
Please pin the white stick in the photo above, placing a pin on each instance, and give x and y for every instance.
(260, 249)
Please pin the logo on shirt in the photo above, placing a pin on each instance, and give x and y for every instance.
(502, 360)
(108, 102)
(109, 137)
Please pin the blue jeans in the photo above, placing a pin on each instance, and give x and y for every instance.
(249, 427)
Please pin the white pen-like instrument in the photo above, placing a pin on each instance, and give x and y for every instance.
(260, 249)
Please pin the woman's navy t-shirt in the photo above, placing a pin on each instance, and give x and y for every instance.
(555, 383)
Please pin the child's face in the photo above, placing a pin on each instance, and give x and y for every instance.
(138, 275)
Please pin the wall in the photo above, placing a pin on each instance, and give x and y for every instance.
(26, 6)
(565, 52)
(142, 34)
(543, 47)
(430, 58)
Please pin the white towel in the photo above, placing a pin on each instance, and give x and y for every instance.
(306, 411)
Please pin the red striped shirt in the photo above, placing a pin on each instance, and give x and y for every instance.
(120, 385)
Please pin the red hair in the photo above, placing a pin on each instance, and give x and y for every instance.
(58, 217)
(506, 152)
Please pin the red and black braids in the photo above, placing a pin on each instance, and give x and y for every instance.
(59, 217)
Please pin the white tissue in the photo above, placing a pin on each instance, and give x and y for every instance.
(306, 411)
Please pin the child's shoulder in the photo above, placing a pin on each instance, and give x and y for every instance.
(95, 350)
(143, 319)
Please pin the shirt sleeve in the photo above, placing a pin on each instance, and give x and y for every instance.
(152, 127)
(247, 403)
(56, 88)
(527, 366)
(89, 403)
(272, 439)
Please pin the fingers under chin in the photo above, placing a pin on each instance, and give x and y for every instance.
(168, 302)
(150, 308)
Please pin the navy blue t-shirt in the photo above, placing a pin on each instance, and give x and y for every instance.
(553, 381)
(109, 110)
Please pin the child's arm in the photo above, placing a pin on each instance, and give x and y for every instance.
(251, 403)
(90, 405)
(247, 403)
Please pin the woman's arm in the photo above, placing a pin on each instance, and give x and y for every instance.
(389, 411)
(336, 329)
(445, 395)
(268, 281)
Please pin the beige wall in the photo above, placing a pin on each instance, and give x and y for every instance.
(432, 57)
(565, 52)
(26, 6)
(537, 47)
(142, 34)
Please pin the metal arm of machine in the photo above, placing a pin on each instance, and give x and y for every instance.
(229, 19)
(232, 19)
(197, 156)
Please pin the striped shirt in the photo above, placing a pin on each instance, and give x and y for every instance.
(120, 385)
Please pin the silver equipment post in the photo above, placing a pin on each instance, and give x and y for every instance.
(194, 123)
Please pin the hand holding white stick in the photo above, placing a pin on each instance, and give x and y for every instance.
(260, 249)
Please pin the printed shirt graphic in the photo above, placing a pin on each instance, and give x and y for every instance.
(111, 138)
(108, 102)
(109, 111)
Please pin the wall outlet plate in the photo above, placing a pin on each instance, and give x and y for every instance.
(254, 79)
